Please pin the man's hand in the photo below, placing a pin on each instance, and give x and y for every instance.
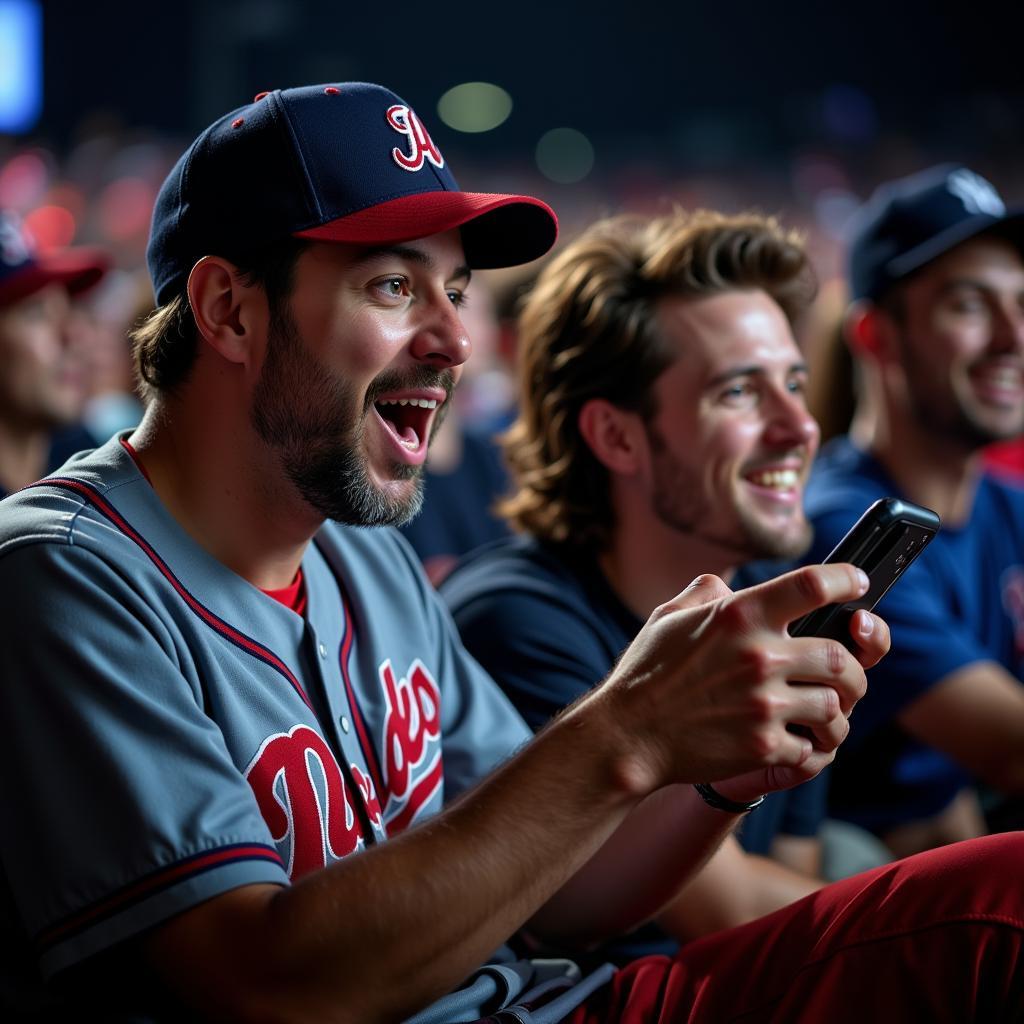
(714, 684)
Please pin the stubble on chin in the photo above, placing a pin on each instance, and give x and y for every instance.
(315, 422)
(769, 543)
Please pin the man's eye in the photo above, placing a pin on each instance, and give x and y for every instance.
(738, 393)
(394, 287)
(797, 385)
(967, 303)
(457, 298)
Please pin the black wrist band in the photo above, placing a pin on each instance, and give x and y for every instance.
(713, 798)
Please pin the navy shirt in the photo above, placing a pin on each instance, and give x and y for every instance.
(457, 511)
(547, 626)
(961, 602)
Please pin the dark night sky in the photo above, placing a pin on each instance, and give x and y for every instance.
(660, 72)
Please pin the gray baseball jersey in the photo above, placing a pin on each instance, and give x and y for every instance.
(173, 732)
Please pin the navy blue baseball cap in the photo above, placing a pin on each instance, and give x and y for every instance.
(349, 162)
(24, 270)
(912, 221)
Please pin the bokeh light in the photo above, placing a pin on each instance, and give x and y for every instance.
(125, 206)
(51, 227)
(565, 155)
(833, 208)
(23, 181)
(474, 107)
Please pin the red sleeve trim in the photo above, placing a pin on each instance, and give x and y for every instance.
(162, 878)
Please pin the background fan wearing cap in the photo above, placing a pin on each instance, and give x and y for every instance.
(42, 374)
(937, 332)
(261, 697)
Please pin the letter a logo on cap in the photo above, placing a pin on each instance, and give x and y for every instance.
(977, 195)
(421, 145)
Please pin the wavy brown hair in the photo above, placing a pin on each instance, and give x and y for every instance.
(588, 330)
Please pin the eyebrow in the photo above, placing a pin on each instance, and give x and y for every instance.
(955, 283)
(412, 255)
(750, 371)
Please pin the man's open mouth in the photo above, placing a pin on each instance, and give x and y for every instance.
(775, 479)
(408, 419)
(997, 382)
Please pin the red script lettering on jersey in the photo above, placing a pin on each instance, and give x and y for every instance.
(303, 798)
(412, 732)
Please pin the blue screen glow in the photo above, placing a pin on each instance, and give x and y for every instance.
(21, 65)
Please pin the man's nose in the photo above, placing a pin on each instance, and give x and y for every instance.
(441, 340)
(1008, 333)
(791, 423)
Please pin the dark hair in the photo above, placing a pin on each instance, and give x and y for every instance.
(165, 343)
(588, 330)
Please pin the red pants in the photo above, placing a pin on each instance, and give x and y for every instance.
(936, 937)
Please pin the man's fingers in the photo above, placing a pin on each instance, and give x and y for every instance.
(871, 637)
(780, 601)
(827, 662)
(817, 708)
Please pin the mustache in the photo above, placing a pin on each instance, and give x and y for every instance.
(800, 453)
(419, 377)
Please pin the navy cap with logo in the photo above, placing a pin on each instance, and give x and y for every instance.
(24, 270)
(349, 162)
(910, 222)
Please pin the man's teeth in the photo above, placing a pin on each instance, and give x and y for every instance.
(783, 479)
(423, 403)
(1006, 377)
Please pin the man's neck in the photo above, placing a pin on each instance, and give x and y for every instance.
(651, 563)
(214, 485)
(23, 455)
(926, 466)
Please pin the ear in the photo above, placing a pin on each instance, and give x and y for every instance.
(226, 310)
(867, 329)
(612, 434)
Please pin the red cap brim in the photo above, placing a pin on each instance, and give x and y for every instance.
(78, 269)
(497, 230)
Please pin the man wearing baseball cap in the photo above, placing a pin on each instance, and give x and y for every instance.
(219, 705)
(937, 331)
(42, 384)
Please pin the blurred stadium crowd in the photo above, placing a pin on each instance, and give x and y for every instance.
(100, 189)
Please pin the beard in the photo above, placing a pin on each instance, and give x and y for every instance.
(953, 419)
(941, 409)
(316, 423)
(679, 503)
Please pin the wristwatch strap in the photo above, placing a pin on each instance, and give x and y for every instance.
(713, 798)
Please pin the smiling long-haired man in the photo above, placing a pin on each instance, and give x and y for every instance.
(662, 433)
(233, 726)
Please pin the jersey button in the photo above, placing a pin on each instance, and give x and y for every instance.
(323, 651)
(344, 724)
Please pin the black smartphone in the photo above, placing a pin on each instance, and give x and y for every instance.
(883, 542)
